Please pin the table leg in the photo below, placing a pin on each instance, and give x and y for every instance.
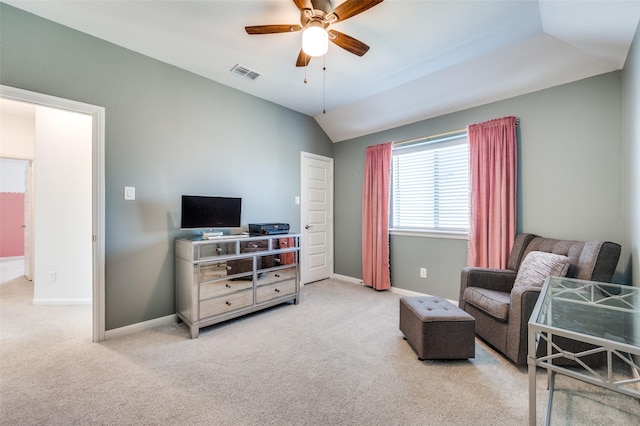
(552, 381)
(531, 360)
(532, 393)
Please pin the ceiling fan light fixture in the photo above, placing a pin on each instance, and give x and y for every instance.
(315, 40)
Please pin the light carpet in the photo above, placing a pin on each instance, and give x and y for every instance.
(337, 358)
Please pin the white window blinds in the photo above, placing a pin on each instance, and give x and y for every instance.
(430, 185)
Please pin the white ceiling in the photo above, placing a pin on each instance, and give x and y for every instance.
(427, 57)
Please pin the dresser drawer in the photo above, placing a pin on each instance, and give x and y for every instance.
(220, 288)
(217, 250)
(277, 275)
(211, 271)
(254, 246)
(271, 291)
(227, 303)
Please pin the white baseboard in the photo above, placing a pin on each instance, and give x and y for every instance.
(347, 279)
(61, 302)
(140, 326)
(396, 290)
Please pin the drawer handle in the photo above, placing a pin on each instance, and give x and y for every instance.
(227, 285)
(219, 250)
(277, 290)
(228, 303)
(277, 275)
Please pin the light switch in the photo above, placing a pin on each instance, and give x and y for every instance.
(297, 199)
(129, 192)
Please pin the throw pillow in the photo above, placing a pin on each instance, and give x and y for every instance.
(538, 265)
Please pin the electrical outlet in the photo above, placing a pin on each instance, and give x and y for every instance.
(52, 276)
(423, 272)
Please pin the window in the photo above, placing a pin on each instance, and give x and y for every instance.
(430, 185)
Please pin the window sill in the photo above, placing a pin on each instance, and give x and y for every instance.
(430, 234)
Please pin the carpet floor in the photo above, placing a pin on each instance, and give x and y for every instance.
(337, 358)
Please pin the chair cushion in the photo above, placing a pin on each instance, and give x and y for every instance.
(494, 303)
(539, 265)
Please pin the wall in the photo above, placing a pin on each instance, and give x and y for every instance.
(168, 132)
(62, 200)
(12, 187)
(18, 135)
(570, 180)
(631, 99)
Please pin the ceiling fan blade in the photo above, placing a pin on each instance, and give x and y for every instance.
(348, 43)
(350, 8)
(303, 59)
(303, 4)
(272, 29)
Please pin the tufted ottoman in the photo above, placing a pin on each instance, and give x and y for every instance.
(436, 329)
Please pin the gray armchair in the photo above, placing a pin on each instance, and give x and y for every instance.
(502, 311)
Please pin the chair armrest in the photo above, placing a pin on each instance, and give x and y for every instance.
(489, 278)
(523, 300)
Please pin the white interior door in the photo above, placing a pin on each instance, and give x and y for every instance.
(317, 218)
(28, 215)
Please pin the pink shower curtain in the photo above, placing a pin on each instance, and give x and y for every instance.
(375, 217)
(493, 169)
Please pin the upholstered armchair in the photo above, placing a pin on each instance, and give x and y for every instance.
(502, 309)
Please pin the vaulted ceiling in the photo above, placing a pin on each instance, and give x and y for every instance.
(426, 58)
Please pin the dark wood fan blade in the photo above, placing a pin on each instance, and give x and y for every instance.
(271, 29)
(351, 8)
(303, 59)
(348, 43)
(303, 4)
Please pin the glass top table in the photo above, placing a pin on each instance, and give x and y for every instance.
(605, 316)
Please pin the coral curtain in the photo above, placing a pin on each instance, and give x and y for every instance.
(493, 168)
(375, 217)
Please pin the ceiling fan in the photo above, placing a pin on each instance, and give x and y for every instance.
(319, 14)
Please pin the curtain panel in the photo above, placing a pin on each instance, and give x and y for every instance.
(375, 217)
(493, 172)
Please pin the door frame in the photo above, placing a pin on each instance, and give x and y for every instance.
(304, 202)
(98, 190)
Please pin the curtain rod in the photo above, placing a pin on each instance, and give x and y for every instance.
(438, 135)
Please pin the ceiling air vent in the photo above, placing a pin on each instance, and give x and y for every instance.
(245, 72)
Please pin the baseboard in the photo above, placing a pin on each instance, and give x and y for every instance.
(408, 293)
(140, 326)
(61, 302)
(400, 291)
(347, 279)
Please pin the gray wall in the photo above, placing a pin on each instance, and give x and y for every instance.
(570, 179)
(631, 93)
(168, 132)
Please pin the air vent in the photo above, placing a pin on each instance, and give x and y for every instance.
(245, 72)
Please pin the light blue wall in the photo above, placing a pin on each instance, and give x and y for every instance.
(631, 92)
(570, 179)
(168, 132)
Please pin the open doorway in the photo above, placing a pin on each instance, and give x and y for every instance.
(58, 115)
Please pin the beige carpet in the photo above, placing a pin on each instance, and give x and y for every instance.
(337, 358)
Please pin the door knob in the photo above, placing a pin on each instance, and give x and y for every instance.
(308, 226)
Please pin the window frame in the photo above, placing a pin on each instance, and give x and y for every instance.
(430, 142)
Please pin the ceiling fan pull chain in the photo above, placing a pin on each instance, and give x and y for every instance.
(324, 84)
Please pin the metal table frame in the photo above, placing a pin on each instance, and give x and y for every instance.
(621, 301)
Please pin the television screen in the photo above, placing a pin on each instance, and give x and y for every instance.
(202, 212)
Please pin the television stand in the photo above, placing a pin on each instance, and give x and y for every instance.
(233, 275)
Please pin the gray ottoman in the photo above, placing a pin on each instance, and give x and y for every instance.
(436, 329)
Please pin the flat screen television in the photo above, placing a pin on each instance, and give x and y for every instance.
(204, 212)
